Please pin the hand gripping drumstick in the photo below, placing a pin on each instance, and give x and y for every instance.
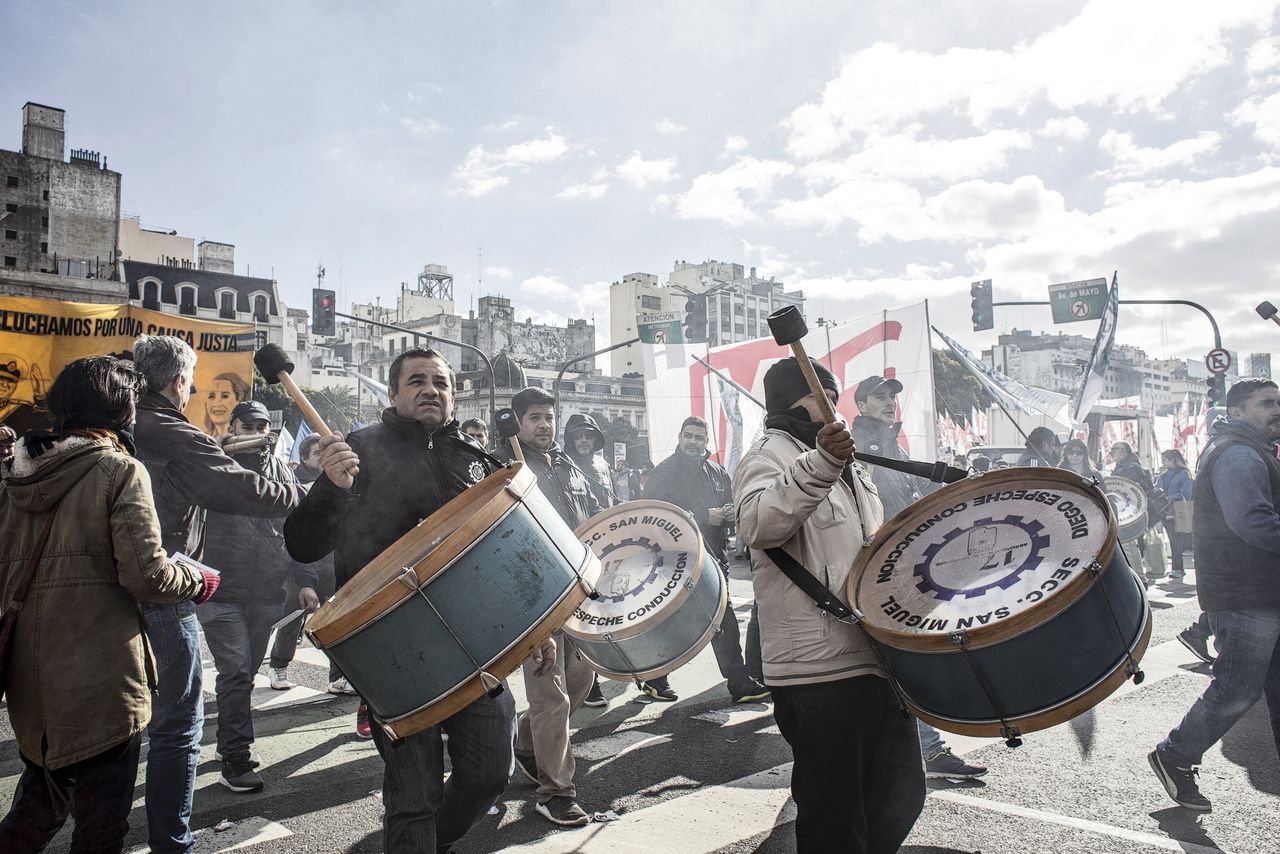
(788, 327)
(509, 429)
(274, 365)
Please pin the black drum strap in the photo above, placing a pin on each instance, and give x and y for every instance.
(812, 587)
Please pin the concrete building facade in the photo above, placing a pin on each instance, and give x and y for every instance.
(154, 246)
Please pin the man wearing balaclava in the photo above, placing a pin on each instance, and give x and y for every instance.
(857, 778)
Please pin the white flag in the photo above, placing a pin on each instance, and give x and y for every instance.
(1094, 379)
(1031, 400)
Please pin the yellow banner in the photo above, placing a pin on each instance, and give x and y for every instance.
(38, 337)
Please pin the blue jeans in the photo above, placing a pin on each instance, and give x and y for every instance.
(424, 813)
(97, 791)
(177, 721)
(857, 780)
(1247, 666)
(930, 740)
(237, 636)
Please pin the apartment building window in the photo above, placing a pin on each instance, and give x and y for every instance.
(44, 248)
(46, 195)
(227, 306)
(12, 181)
(260, 309)
(11, 207)
(10, 234)
(44, 222)
(10, 261)
(654, 303)
(187, 301)
(151, 295)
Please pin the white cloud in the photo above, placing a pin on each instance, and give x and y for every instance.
(639, 173)
(1134, 161)
(483, 171)
(720, 195)
(586, 190)
(666, 127)
(734, 144)
(1109, 54)
(422, 128)
(905, 156)
(1264, 115)
(1263, 57)
(498, 273)
(1072, 128)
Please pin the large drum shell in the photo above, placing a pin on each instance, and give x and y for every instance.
(1044, 657)
(943, 690)
(500, 579)
(655, 644)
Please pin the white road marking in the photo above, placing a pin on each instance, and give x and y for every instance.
(1097, 827)
(613, 745)
(250, 831)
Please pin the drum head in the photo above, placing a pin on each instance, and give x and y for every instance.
(1127, 500)
(991, 556)
(650, 557)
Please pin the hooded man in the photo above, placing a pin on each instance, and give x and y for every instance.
(1043, 449)
(583, 442)
(857, 779)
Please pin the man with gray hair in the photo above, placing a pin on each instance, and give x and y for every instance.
(189, 475)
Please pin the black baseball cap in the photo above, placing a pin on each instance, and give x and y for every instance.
(874, 383)
(250, 410)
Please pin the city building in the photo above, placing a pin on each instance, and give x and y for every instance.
(1258, 365)
(58, 217)
(738, 304)
(155, 246)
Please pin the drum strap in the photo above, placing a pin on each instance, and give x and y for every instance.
(938, 472)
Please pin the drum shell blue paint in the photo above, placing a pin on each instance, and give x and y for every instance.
(659, 650)
(490, 596)
(1037, 670)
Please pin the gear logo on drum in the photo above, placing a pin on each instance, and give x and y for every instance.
(989, 547)
(620, 584)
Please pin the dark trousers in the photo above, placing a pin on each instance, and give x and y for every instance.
(287, 636)
(857, 780)
(424, 813)
(726, 644)
(97, 791)
(1178, 544)
(237, 636)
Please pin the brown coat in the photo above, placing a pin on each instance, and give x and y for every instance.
(82, 673)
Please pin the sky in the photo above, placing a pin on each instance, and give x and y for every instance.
(871, 154)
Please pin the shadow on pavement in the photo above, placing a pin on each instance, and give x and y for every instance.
(1251, 745)
(1183, 826)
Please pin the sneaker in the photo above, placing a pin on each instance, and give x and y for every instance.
(527, 763)
(659, 690)
(340, 686)
(947, 766)
(280, 678)
(1180, 783)
(595, 697)
(255, 760)
(754, 693)
(1197, 643)
(564, 811)
(363, 728)
(240, 777)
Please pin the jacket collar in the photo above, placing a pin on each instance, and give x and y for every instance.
(157, 402)
(889, 432)
(412, 427)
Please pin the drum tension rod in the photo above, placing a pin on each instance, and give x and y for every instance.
(492, 684)
(855, 619)
(607, 637)
(1010, 734)
(1131, 666)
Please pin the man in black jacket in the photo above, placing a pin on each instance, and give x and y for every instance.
(689, 479)
(237, 625)
(875, 431)
(583, 442)
(189, 475)
(379, 483)
(543, 752)
(1042, 448)
(1237, 547)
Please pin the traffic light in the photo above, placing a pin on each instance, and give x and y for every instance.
(1217, 390)
(695, 320)
(323, 306)
(983, 313)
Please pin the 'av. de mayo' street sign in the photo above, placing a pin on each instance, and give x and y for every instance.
(660, 328)
(1076, 301)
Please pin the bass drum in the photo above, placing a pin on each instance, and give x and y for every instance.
(1130, 505)
(1001, 604)
(661, 595)
(457, 603)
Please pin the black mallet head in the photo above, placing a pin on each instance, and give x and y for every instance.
(271, 360)
(507, 423)
(787, 325)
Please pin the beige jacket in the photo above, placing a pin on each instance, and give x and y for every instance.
(791, 496)
(81, 676)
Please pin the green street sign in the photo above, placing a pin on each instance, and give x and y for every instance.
(660, 328)
(1076, 301)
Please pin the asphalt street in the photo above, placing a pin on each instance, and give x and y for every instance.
(702, 775)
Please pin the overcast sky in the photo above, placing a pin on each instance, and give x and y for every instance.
(869, 154)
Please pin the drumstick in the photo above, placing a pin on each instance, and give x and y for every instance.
(509, 429)
(248, 443)
(274, 365)
(788, 327)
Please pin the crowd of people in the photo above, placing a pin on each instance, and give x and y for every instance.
(150, 529)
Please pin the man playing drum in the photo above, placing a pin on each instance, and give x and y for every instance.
(857, 780)
(378, 484)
